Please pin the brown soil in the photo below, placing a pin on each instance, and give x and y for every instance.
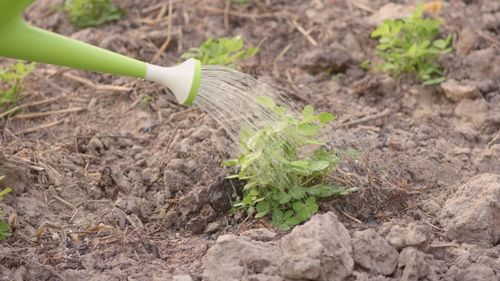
(123, 188)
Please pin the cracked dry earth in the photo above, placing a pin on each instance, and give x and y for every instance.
(122, 189)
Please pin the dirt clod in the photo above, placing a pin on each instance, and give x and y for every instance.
(474, 272)
(457, 91)
(15, 175)
(415, 265)
(415, 235)
(320, 249)
(233, 257)
(374, 253)
(472, 213)
(322, 60)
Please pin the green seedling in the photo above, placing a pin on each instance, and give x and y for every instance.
(411, 45)
(222, 51)
(10, 83)
(285, 166)
(240, 2)
(4, 226)
(86, 13)
(365, 65)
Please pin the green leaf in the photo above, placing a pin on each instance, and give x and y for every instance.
(232, 162)
(324, 190)
(309, 129)
(440, 43)
(221, 51)
(382, 30)
(4, 230)
(4, 192)
(284, 226)
(311, 205)
(318, 166)
(412, 51)
(434, 81)
(263, 206)
(250, 184)
(277, 216)
(288, 214)
(326, 117)
(294, 220)
(300, 165)
(266, 102)
(308, 112)
(297, 192)
(284, 198)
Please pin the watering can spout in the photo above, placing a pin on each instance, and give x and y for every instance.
(20, 40)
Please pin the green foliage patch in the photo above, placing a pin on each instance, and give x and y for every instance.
(222, 51)
(10, 83)
(411, 45)
(86, 13)
(4, 226)
(285, 166)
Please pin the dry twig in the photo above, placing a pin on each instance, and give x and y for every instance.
(48, 113)
(169, 34)
(304, 33)
(40, 127)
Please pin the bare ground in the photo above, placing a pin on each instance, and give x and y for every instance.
(123, 188)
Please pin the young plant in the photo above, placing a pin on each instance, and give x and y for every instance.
(86, 13)
(4, 226)
(222, 51)
(410, 45)
(10, 83)
(240, 2)
(284, 176)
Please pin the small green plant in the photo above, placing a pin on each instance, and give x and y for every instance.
(222, 51)
(410, 45)
(240, 2)
(284, 176)
(10, 83)
(146, 100)
(4, 226)
(86, 13)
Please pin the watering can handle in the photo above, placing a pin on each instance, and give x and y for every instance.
(20, 40)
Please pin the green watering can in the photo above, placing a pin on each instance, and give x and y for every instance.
(20, 40)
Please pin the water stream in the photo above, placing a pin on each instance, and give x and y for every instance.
(230, 97)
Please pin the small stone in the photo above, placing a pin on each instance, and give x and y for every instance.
(149, 175)
(474, 111)
(196, 225)
(457, 91)
(321, 59)
(130, 204)
(213, 227)
(15, 175)
(487, 159)
(416, 265)
(95, 145)
(182, 278)
(414, 234)
(466, 40)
